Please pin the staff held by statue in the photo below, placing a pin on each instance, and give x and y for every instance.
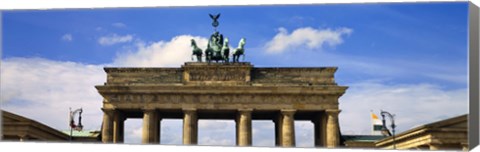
(215, 20)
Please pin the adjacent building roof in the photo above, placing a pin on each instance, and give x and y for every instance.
(361, 141)
(365, 138)
(448, 134)
(84, 133)
(15, 127)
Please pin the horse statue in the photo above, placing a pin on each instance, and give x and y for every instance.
(225, 50)
(196, 51)
(239, 50)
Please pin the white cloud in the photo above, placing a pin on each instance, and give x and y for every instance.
(263, 133)
(44, 90)
(114, 39)
(163, 53)
(67, 37)
(306, 37)
(208, 140)
(133, 131)
(413, 104)
(171, 132)
(304, 134)
(216, 132)
(214, 124)
(119, 25)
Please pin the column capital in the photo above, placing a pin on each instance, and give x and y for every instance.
(288, 111)
(108, 111)
(243, 110)
(189, 110)
(148, 109)
(332, 111)
(152, 111)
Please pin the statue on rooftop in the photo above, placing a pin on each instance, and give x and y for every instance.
(239, 51)
(226, 50)
(196, 51)
(218, 48)
(214, 48)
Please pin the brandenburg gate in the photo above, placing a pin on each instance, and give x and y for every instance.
(232, 91)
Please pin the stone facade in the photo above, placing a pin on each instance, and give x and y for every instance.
(236, 91)
(448, 134)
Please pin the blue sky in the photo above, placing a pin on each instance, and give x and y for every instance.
(398, 57)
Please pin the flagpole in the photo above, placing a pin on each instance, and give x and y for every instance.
(71, 131)
(372, 123)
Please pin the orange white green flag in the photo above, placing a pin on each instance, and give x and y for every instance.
(376, 124)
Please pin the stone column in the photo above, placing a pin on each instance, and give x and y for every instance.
(278, 130)
(244, 127)
(276, 136)
(118, 127)
(288, 128)
(190, 126)
(151, 127)
(320, 122)
(107, 125)
(332, 139)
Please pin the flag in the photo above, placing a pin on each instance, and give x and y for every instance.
(376, 125)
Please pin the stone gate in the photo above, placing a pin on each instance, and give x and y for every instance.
(233, 91)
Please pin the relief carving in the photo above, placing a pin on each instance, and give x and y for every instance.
(217, 75)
